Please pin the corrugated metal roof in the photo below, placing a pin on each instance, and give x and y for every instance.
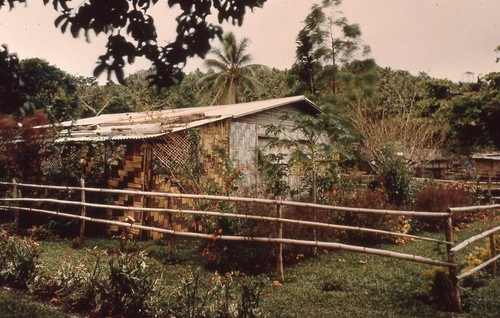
(143, 125)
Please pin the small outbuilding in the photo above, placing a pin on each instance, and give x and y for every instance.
(149, 150)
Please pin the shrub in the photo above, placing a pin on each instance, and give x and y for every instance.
(226, 256)
(132, 285)
(44, 231)
(373, 199)
(479, 255)
(18, 257)
(77, 287)
(128, 288)
(396, 178)
(229, 295)
(435, 288)
(438, 198)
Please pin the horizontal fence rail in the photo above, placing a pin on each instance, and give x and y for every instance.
(478, 267)
(238, 199)
(473, 239)
(474, 208)
(229, 215)
(341, 246)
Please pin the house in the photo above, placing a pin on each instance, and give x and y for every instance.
(486, 169)
(154, 146)
(486, 166)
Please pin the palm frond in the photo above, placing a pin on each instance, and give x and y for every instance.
(233, 72)
(216, 65)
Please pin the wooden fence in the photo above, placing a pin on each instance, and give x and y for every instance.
(17, 204)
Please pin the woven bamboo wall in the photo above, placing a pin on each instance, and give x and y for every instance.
(134, 172)
(128, 173)
(215, 151)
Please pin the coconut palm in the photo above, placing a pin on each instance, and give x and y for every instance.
(230, 72)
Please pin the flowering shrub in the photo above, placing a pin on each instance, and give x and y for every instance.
(18, 257)
(479, 255)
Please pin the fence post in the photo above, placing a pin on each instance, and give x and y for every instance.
(171, 242)
(454, 288)
(16, 211)
(83, 212)
(279, 260)
(493, 247)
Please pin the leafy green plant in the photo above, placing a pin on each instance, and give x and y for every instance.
(44, 231)
(127, 287)
(133, 285)
(78, 287)
(479, 255)
(18, 259)
(436, 286)
(225, 296)
(396, 178)
(274, 172)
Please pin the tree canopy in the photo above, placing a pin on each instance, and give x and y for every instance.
(326, 44)
(33, 84)
(132, 32)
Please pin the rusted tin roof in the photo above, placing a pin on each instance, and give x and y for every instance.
(143, 125)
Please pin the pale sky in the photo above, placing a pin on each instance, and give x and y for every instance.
(444, 38)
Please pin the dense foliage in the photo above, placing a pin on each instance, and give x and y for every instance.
(132, 31)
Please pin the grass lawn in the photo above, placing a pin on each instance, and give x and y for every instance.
(333, 284)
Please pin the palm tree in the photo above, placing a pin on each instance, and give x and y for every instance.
(230, 72)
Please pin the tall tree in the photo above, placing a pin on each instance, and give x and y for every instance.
(231, 72)
(398, 119)
(49, 88)
(12, 98)
(132, 31)
(33, 84)
(474, 116)
(324, 46)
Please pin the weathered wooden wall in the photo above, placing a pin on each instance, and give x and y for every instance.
(247, 134)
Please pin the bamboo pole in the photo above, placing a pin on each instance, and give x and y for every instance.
(493, 245)
(340, 246)
(14, 195)
(171, 239)
(279, 255)
(474, 208)
(454, 288)
(83, 213)
(473, 239)
(479, 267)
(247, 200)
(493, 254)
(243, 216)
